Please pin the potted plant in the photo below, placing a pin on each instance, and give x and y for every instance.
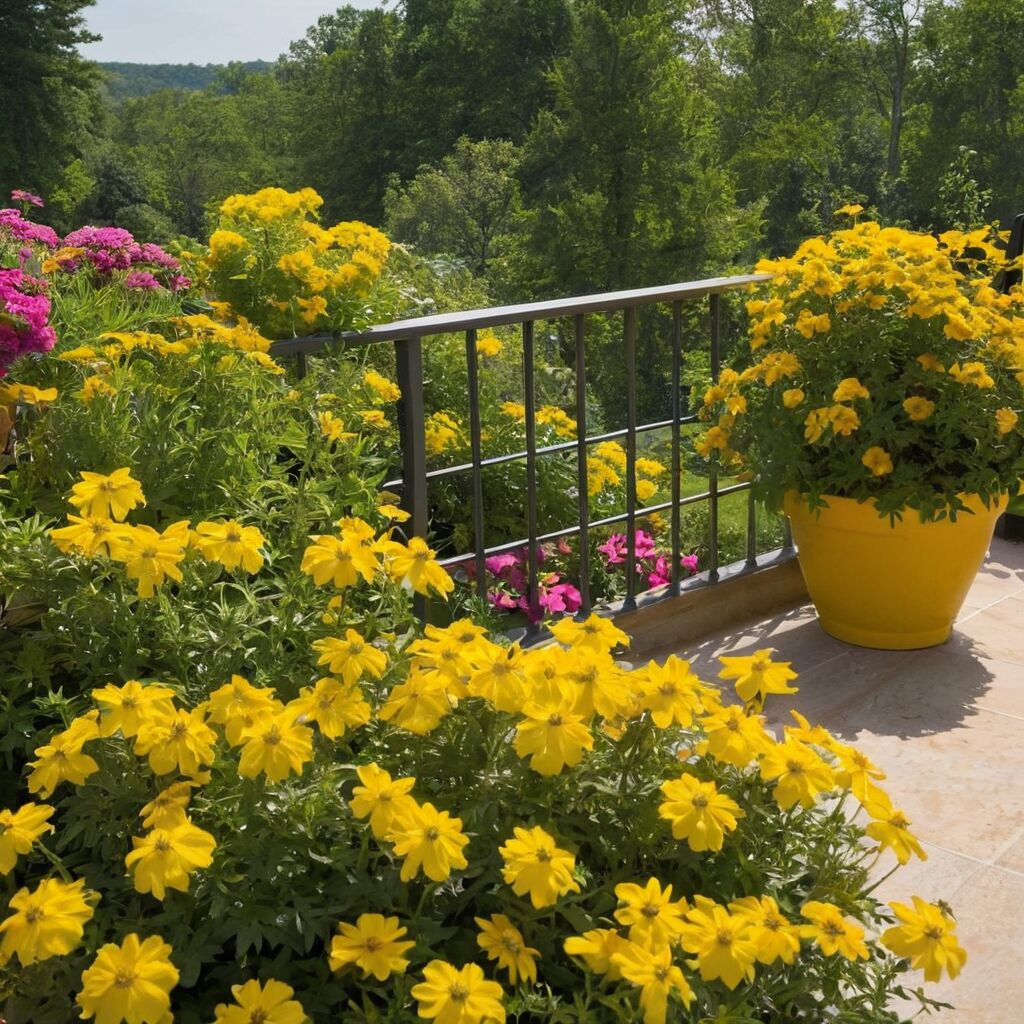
(879, 406)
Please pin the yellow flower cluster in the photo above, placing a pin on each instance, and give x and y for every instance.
(149, 557)
(865, 294)
(274, 261)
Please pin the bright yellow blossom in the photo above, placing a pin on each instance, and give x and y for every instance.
(267, 1003)
(374, 944)
(918, 408)
(277, 746)
(878, 460)
(150, 557)
(535, 865)
(451, 995)
(380, 798)
(925, 937)
(757, 676)
(850, 388)
(352, 658)
(124, 708)
(597, 948)
(231, 544)
(48, 921)
(1006, 420)
(164, 858)
(501, 940)
(19, 830)
(414, 566)
(832, 932)
(722, 943)
(800, 775)
(552, 735)
(129, 982)
(698, 813)
(181, 741)
(775, 937)
(649, 912)
(429, 840)
(334, 705)
(656, 976)
(237, 705)
(112, 496)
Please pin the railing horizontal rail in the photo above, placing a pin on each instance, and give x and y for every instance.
(621, 517)
(500, 316)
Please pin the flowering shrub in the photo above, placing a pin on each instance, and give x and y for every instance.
(246, 785)
(654, 565)
(883, 366)
(270, 259)
(108, 249)
(508, 583)
(24, 317)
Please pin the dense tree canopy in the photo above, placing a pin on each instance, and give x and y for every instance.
(551, 145)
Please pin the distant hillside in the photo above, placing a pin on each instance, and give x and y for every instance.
(125, 81)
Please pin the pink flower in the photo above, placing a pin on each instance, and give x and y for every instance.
(501, 600)
(614, 549)
(14, 225)
(563, 597)
(564, 547)
(141, 279)
(499, 564)
(690, 563)
(644, 544)
(24, 316)
(19, 195)
(178, 282)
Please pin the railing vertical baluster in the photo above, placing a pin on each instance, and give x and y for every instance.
(476, 444)
(751, 531)
(787, 535)
(411, 423)
(529, 402)
(301, 369)
(630, 331)
(677, 369)
(583, 483)
(715, 309)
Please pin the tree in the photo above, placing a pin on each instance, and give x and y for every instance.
(48, 92)
(466, 207)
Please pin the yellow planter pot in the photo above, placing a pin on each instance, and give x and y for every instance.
(889, 587)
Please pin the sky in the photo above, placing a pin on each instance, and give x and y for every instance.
(201, 31)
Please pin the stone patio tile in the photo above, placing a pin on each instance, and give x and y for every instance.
(990, 989)
(1001, 576)
(1012, 858)
(997, 631)
(942, 876)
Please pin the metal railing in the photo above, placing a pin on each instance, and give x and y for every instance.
(407, 337)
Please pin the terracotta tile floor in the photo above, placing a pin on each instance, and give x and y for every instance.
(947, 725)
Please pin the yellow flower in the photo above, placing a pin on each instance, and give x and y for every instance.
(814, 424)
(671, 692)
(843, 419)
(26, 394)
(88, 535)
(333, 428)
(809, 325)
(231, 544)
(430, 840)
(832, 932)
(722, 942)
(167, 809)
(773, 935)
(1006, 420)
(340, 560)
(441, 432)
(596, 683)
(181, 741)
(501, 940)
(714, 439)
(488, 343)
(150, 557)
(131, 982)
(499, 676)
(697, 812)
(269, 1003)
(931, 363)
(47, 922)
(61, 760)
(792, 397)
(733, 737)
(657, 977)
(112, 496)
(19, 830)
(877, 460)
(649, 913)
(334, 705)
(374, 944)
(515, 410)
(799, 774)
(925, 937)
(81, 354)
(595, 632)
(854, 771)
(351, 658)
(850, 210)
(418, 704)
(972, 373)
(757, 676)
(276, 746)
(849, 389)
(125, 708)
(93, 386)
(535, 865)
(918, 408)
(165, 857)
(380, 798)
(597, 949)
(891, 830)
(646, 489)
(393, 512)
(374, 418)
(458, 996)
(386, 390)
(238, 705)
(414, 566)
(552, 735)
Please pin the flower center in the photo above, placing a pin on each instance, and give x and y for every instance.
(129, 702)
(148, 553)
(259, 1016)
(373, 944)
(458, 993)
(432, 834)
(700, 801)
(935, 933)
(355, 648)
(724, 937)
(272, 737)
(899, 821)
(667, 690)
(661, 973)
(33, 914)
(555, 720)
(795, 767)
(179, 729)
(232, 536)
(162, 845)
(124, 979)
(651, 910)
(543, 856)
(833, 928)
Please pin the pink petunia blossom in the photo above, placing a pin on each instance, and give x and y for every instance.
(19, 195)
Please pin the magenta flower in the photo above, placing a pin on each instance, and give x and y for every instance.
(499, 564)
(562, 597)
(13, 225)
(141, 279)
(19, 195)
(690, 563)
(614, 549)
(24, 316)
(178, 282)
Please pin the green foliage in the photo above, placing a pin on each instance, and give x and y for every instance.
(129, 81)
